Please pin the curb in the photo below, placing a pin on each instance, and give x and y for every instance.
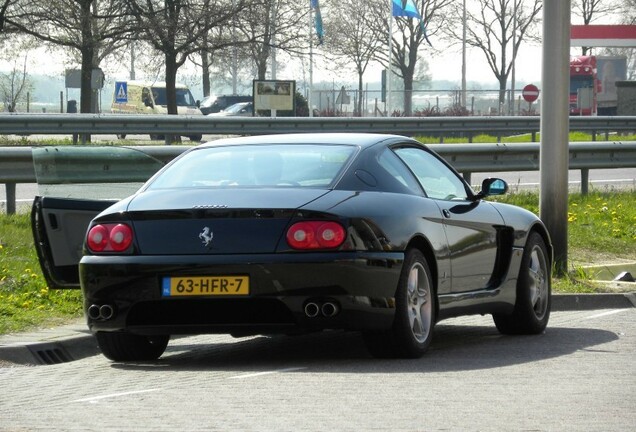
(571, 302)
(48, 346)
(74, 342)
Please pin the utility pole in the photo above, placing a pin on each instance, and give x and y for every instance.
(132, 60)
(555, 125)
(463, 96)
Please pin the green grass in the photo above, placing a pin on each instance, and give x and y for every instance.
(478, 139)
(25, 300)
(523, 138)
(601, 228)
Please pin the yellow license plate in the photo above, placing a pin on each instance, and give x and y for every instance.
(205, 286)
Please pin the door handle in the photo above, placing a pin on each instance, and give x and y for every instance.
(446, 213)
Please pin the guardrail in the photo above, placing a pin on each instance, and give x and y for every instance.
(16, 163)
(69, 124)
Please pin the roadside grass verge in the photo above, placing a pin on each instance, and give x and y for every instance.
(522, 138)
(25, 300)
(477, 139)
(601, 229)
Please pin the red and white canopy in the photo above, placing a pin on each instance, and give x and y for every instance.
(603, 35)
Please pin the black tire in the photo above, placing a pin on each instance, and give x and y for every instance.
(195, 137)
(119, 346)
(415, 309)
(121, 136)
(534, 292)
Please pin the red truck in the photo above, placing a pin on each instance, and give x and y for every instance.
(593, 84)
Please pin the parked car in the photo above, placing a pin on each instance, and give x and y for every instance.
(149, 97)
(214, 104)
(241, 109)
(298, 233)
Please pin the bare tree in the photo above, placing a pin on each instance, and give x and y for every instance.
(589, 10)
(4, 8)
(409, 37)
(93, 28)
(176, 27)
(497, 28)
(14, 85)
(350, 35)
(273, 24)
(628, 11)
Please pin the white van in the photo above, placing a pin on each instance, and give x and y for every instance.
(147, 97)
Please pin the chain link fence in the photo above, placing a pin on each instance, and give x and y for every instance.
(425, 103)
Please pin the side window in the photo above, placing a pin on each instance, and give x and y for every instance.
(436, 179)
(394, 166)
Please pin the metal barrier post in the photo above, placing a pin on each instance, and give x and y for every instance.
(585, 181)
(10, 188)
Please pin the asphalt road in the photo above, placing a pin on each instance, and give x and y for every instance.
(578, 376)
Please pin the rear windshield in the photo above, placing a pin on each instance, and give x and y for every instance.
(279, 166)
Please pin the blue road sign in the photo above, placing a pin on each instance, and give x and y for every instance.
(121, 92)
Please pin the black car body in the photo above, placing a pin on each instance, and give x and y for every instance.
(296, 233)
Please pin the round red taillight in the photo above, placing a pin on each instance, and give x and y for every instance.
(315, 235)
(109, 238)
(330, 235)
(97, 238)
(120, 237)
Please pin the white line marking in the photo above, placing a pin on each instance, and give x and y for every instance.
(602, 314)
(114, 395)
(266, 373)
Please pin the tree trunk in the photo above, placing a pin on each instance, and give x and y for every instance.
(171, 80)
(408, 93)
(205, 68)
(360, 89)
(171, 94)
(87, 53)
(503, 80)
(261, 63)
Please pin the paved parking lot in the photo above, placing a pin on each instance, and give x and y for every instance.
(576, 376)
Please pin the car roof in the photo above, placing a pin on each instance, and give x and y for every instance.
(155, 84)
(358, 139)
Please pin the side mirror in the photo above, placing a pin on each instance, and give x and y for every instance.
(198, 103)
(492, 186)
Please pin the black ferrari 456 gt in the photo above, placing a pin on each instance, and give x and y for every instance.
(297, 233)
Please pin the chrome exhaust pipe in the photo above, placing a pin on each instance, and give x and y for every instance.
(312, 310)
(93, 312)
(106, 312)
(329, 309)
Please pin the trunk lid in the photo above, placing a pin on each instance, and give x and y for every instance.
(215, 221)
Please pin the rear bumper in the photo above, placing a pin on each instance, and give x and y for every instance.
(361, 285)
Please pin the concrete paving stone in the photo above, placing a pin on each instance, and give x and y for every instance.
(74, 341)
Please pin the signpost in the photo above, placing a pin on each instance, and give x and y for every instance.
(121, 92)
(530, 94)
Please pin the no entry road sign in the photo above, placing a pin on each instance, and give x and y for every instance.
(530, 93)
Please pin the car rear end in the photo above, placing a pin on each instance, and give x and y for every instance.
(215, 245)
